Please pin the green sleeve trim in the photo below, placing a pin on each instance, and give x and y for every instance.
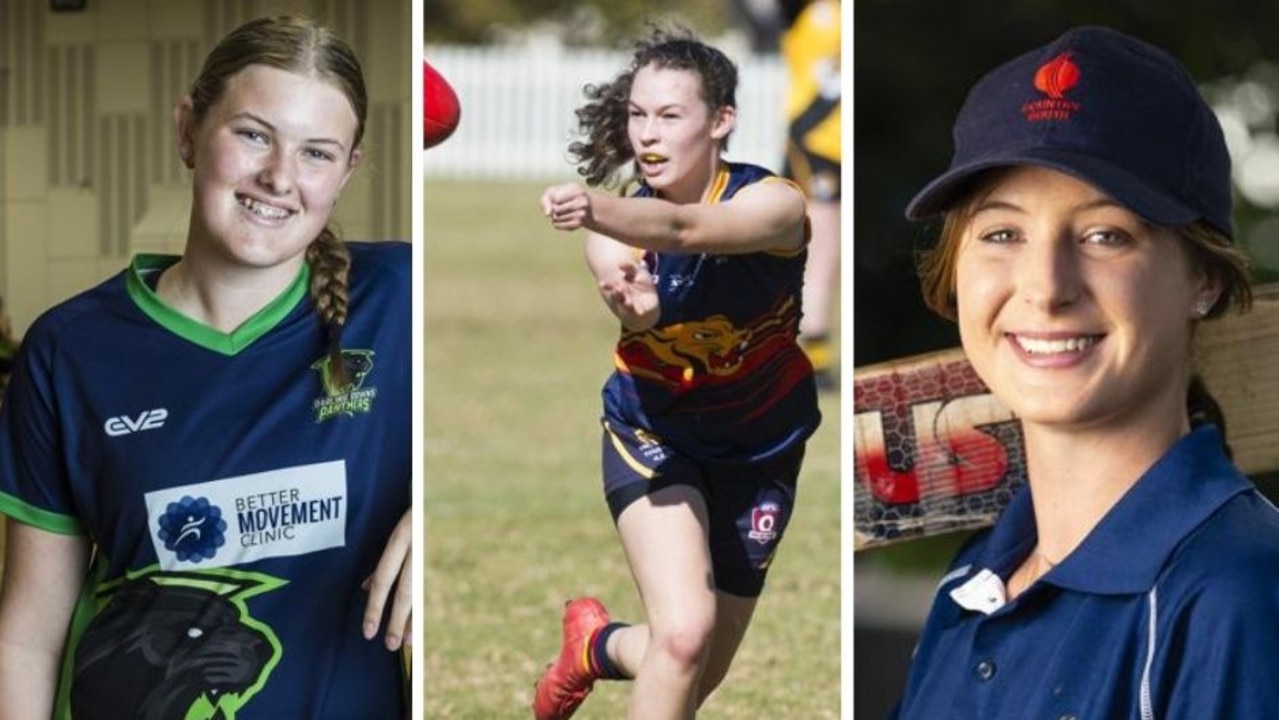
(34, 516)
(194, 331)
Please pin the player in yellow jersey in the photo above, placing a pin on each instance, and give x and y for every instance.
(811, 48)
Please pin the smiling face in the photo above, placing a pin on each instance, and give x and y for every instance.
(1072, 309)
(270, 158)
(675, 135)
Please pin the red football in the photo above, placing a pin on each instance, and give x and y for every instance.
(440, 109)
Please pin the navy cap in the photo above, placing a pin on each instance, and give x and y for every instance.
(1112, 110)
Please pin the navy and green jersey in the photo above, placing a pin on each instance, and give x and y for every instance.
(720, 376)
(236, 494)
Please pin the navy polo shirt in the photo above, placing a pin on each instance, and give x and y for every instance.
(1168, 609)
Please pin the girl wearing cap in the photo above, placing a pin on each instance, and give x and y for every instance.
(706, 417)
(206, 459)
(1086, 232)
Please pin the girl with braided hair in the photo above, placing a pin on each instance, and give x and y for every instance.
(706, 418)
(207, 457)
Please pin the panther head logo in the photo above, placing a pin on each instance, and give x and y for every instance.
(155, 651)
(358, 365)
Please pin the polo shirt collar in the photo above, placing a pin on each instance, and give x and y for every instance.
(1128, 549)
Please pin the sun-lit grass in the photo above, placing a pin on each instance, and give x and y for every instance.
(517, 346)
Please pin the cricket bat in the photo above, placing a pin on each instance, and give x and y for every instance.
(935, 452)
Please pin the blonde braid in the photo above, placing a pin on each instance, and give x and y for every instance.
(330, 263)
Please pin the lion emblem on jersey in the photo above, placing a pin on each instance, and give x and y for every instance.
(168, 651)
(683, 353)
(707, 347)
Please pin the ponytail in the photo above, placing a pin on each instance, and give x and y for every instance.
(1203, 409)
(330, 263)
(1216, 256)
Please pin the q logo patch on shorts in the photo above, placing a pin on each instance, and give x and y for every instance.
(764, 522)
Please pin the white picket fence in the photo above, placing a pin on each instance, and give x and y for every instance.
(517, 109)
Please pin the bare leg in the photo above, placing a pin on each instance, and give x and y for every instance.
(664, 537)
(732, 617)
(682, 646)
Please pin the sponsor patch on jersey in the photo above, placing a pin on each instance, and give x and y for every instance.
(237, 520)
(348, 399)
(651, 448)
(125, 424)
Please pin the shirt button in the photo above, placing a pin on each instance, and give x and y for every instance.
(985, 670)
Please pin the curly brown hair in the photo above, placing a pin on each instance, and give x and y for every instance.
(603, 119)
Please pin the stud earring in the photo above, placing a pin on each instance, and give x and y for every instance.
(1201, 308)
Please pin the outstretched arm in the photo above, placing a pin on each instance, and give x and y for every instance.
(623, 282)
(43, 575)
(763, 216)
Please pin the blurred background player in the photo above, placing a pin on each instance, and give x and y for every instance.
(811, 48)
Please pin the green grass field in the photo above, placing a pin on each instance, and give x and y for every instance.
(517, 346)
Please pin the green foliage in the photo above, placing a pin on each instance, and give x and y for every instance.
(517, 347)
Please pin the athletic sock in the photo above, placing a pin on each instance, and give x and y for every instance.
(601, 665)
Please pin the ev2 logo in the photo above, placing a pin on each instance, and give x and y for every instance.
(147, 420)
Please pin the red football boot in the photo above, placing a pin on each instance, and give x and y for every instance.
(568, 681)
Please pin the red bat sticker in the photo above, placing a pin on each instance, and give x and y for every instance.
(934, 450)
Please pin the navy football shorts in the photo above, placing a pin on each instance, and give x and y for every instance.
(748, 505)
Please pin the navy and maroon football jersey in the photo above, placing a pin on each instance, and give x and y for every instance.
(720, 376)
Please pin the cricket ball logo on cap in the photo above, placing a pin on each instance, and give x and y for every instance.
(1054, 78)
(1057, 76)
